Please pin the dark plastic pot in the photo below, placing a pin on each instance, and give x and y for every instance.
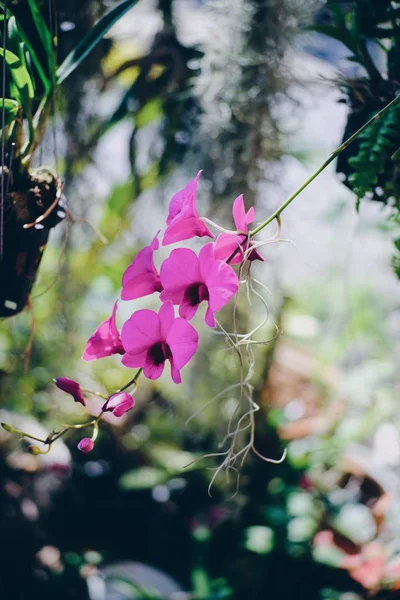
(22, 253)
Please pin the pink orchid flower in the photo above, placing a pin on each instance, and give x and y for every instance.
(232, 246)
(150, 339)
(183, 220)
(105, 341)
(119, 404)
(189, 279)
(141, 277)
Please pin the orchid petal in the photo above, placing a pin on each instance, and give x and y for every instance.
(141, 277)
(141, 331)
(184, 228)
(105, 341)
(230, 247)
(183, 220)
(239, 214)
(167, 316)
(153, 371)
(183, 340)
(179, 270)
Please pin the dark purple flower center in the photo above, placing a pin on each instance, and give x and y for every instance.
(159, 353)
(195, 293)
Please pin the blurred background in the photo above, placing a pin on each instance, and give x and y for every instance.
(256, 93)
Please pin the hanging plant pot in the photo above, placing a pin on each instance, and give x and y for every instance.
(34, 204)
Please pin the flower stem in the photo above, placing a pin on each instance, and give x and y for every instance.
(55, 435)
(327, 162)
(131, 382)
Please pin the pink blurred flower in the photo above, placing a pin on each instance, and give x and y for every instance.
(141, 277)
(324, 538)
(228, 243)
(86, 445)
(71, 387)
(119, 404)
(368, 566)
(105, 341)
(189, 279)
(183, 220)
(392, 573)
(150, 339)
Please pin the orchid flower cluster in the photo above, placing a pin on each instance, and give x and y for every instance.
(185, 280)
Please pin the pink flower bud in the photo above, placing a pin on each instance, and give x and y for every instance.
(71, 387)
(119, 404)
(86, 445)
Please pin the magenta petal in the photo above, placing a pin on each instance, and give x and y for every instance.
(187, 311)
(174, 297)
(140, 331)
(141, 277)
(206, 260)
(179, 270)
(134, 361)
(183, 221)
(239, 214)
(152, 371)
(222, 284)
(250, 216)
(113, 322)
(105, 341)
(209, 318)
(167, 316)
(226, 245)
(183, 203)
(184, 228)
(175, 373)
(183, 341)
(220, 279)
(119, 404)
(140, 286)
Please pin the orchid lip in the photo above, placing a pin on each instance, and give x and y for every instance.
(158, 353)
(196, 293)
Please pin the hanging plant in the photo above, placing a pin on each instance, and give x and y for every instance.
(31, 199)
(370, 167)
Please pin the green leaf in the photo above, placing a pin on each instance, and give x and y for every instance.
(172, 459)
(11, 108)
(45, 36)
(14, 45)
(153, 109)
(396, 155)
(74, 58)
(32, 53)
(143, 479)
(21, 78)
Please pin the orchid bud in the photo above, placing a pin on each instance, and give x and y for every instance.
(71, 387)
(86, 445)
(119, 404)
(34, 450)
(9, 429)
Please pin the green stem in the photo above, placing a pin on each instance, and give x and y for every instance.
(52, 437)
(328, 161)
(131, 382)
(98, 394)
(39, 128)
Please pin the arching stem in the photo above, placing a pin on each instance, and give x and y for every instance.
(328, 161)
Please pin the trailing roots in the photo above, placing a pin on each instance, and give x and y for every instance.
(239, 440)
